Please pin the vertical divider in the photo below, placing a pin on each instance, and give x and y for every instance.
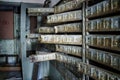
(27, 66)
(86, 40)
(83, 34)
(22, 40)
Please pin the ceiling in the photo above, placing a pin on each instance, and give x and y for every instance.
(25, 1)
(18, 2)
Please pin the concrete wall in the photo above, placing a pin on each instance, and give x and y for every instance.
(10, 45)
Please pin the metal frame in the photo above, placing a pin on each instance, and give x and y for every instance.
(84, 37)
(86, 60)
(93, 17)
(26, 65)
(25, 62)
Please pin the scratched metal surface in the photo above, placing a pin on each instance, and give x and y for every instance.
(68, 28)
(7, 47)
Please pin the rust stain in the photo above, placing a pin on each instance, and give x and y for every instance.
(6, 25)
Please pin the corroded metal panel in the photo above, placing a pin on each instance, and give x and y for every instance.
(61, 39)
(65, 17)
(68, 28)
(68, 6)
(73, 50)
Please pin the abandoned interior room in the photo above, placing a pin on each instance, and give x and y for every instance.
(59, 39)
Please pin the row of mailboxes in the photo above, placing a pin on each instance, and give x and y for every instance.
(105, 41)
(106, 58)
(68, 6)
(61, 39)
(103, 7)
(65, 28)
(104, 24)
(65, 17)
